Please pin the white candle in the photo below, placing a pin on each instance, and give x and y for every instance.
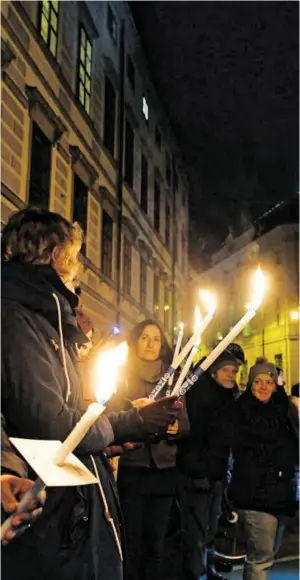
(185, 369)
(106, 372)
(177, 350)
(80, 430)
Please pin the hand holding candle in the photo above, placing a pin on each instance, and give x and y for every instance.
(106, 372)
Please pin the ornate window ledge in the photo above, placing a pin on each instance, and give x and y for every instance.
(41, 112)
(82, 167)
(7, 55)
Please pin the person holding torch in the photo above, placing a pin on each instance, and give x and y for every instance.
(78, 536)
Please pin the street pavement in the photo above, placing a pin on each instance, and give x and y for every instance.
(286, 569)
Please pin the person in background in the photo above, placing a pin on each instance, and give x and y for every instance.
(14, 485)
(147, 476)
(265, 457)
(79, 534)
(203, 460)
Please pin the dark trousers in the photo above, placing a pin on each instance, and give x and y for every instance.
(200, 514)
(146, 519)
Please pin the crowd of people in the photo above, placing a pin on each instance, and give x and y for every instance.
(169, 452)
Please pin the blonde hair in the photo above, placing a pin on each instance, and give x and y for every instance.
(38, 236)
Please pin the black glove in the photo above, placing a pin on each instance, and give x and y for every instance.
(158, 415)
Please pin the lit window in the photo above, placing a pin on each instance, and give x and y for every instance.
(84, 71)
(49, 24)
(145, 109)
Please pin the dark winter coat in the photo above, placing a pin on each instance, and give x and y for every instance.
(151, 467)
(72, 540)
(264, 455)
(204, 454)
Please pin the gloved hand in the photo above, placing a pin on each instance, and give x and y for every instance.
(158, 415)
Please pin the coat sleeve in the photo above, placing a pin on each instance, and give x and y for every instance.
(32, 399)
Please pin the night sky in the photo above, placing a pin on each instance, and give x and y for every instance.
(227, 73)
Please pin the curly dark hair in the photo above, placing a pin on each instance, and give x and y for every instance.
(165, 351)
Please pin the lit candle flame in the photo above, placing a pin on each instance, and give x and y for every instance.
(209, 300)
(259, 288)
(106, 371)
(198, 320)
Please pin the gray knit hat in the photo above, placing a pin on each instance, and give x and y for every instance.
(262, 366)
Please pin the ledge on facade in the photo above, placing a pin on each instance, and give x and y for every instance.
(111, 72)
(82, 167)
(88, 265)
(144, 250)
(39, 109)
(109, 202)
(7, 54)
(131, 116)
(130, 229)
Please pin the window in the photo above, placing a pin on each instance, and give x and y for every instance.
(155, 293)
(80, 206)
(157, 137)
(167, 309)
(127, 266)
(143, 283)
(130, 72)
(49, 23)
(168, 217)
(107, 244)
(129, 150)
(84, 72)
(109, 116)
(156, 206)
(144, 184)
(145, 109)
(168, 168)
(40, 168)
(112, 24)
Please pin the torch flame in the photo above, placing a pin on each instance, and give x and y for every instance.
(259, 288)
(106, 371)
(181, 326)
(209, 300)
(198, 319)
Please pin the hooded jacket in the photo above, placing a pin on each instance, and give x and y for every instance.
(42, 399)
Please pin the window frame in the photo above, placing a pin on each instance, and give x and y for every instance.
(144, 183)
(107, 245)
(128, 173)
(156, 305)
(156, 220)
(143, 282)
(127, 266)
(77, 178)
(111, 19)
(80, 63)
(109, 118)
(50, 26)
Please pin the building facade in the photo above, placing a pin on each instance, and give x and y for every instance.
(84, 134)
(274, 331)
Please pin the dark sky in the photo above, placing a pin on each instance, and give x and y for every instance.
(227, 73)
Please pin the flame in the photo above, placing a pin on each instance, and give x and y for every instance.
(209, 300)
(181, 326)
(259, 288)
(197, 319)
(107, 369)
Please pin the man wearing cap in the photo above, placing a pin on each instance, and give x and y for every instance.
(203, 459)
(265, 459)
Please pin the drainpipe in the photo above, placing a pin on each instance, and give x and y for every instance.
(119, 189)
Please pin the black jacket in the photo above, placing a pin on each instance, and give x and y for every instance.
(264, 455)
(72, 540)
(205, 452)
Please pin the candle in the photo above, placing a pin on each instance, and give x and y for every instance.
(106, 371)
(259, 290)
(210, 301)
(31, 494)
(176, 351)
(200, 325)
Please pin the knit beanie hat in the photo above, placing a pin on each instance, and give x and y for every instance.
(225, 358)
(262, 366)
